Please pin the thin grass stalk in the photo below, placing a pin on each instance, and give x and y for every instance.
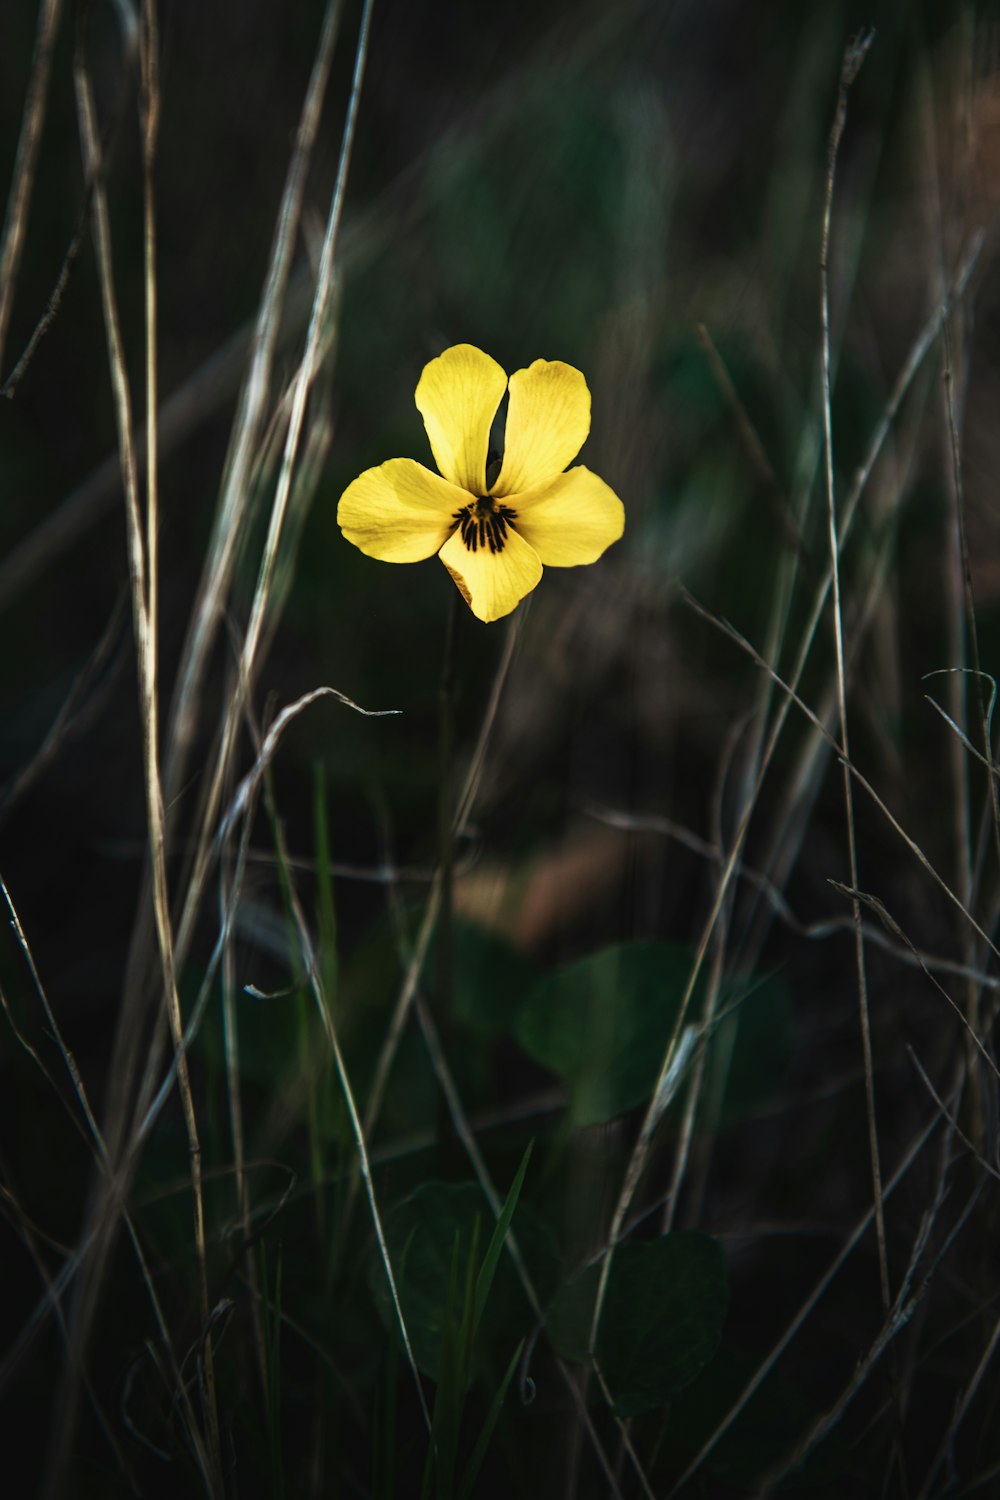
(77, 240)
(968, 606)
(252, 409)
(463, 812)
(32, 1239)
(302, 385)
(853, 59)
(330, 1031)
(962, 627)
(787, 834)
(907, 1300)
(947, 1442)
(230, 1032)
(316, 342)
(29, 141)
(57, 1289)
(814, 1297)
(716, 969)
(228, 530)
(465, 1135)
(76, 711)
(918, 353)
(145, 632)
(862, 781)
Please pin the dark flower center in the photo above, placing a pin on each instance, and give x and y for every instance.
(484, 524)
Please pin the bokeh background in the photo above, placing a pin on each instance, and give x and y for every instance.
(637, 189)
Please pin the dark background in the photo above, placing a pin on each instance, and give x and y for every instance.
(590, 183)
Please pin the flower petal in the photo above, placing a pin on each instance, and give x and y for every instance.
(399, 512)
(458, 395)
(571, 519)
(492, 583)
(547, 422)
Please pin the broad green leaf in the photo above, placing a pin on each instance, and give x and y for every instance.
(749, 1049)
(661, 1321)
(421, 1234)
(603, 1024)
(490, 981)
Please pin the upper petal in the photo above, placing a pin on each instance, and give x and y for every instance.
(547, 422)
(492, 583)
(399, 512)
(571, 519)
(458, 395)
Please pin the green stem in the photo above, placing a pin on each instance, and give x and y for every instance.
(446, 828)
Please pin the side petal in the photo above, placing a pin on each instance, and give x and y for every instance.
(399, 512)
(547, 422)
(492, 583)
(569, 520)
(458, 395)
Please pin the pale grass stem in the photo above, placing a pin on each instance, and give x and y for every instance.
(902, 384)
(32, 124)
(141, 563)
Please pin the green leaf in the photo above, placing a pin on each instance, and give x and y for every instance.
(421, 1234)
(484, 1281)
(661, 1321)
(749, 1049)
(490, 980)
(326, 912)
(603, 1024)
(492, 1417)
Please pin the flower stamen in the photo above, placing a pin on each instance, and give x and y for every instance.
(484, 524)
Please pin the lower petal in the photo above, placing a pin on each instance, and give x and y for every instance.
(492, 583)
(569, 520)
(399, 512)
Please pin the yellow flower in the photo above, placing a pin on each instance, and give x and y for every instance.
(493, 537)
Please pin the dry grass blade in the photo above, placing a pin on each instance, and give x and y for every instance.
(793, 697)
(255, 395)
(251, 781)
(466, 1136)
(56, 1289)
(853, 59)
(907, 1300)
(891, 925)
(251, 414)
(848, 1248)
(301, 387)
(33, 120)
(961, 1411)
(463, 813)
(330, 1031)
(826, 927)
(210, 601)
(973, 1150)
(905, 378)
(143, 597)
(240, 809)
(74, 715)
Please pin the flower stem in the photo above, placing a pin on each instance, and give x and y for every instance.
(446, 816)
